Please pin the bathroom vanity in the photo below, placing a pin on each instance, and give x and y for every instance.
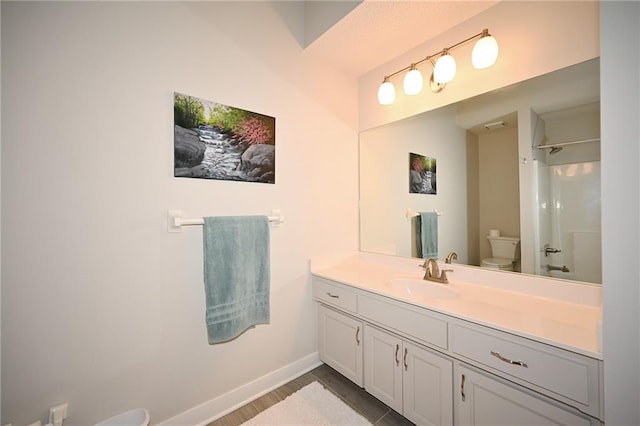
(487, 348)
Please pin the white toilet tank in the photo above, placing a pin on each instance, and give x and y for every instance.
(505, 252)
(505, 247)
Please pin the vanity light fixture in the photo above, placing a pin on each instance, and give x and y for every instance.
(386, 92)
(484, 55)
(413, 81)
(485, 52)
(445, 68)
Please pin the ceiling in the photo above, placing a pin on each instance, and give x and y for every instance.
(377, 31)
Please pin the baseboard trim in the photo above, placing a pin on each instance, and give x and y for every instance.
(213, 409)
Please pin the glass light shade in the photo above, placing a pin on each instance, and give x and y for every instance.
(386, 93)
(485, 52)
(445, 69)
(412, 82)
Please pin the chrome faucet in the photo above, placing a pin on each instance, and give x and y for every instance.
(451, 256)
(433, 272)
(562, 268)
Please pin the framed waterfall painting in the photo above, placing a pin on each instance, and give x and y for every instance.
(217, 141)
(422, 174)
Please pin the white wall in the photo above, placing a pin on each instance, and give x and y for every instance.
(384, 177)
(101, 307)
(620, 66)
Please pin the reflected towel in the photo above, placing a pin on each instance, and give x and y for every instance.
(236, 274)
(429, 234)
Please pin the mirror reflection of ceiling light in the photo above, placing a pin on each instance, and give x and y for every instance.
(495, 125)
(484, 55)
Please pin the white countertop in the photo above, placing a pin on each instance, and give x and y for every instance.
(561, 313)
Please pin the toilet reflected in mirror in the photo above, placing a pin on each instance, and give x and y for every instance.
(505, 253)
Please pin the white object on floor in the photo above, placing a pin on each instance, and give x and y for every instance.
(58, 414)
(311, 405)
(135, 417)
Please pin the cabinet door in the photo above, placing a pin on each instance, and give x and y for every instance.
(482, 400)
(428, 388)
(383, 366)
(340, 341)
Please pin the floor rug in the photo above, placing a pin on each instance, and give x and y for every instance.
(311, 405)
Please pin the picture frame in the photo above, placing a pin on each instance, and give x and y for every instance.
(422, 174)
(221, 142)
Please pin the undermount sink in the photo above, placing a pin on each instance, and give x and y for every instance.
(422, 288)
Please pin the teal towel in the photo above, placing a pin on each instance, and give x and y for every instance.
(236, 274)
(429, 234)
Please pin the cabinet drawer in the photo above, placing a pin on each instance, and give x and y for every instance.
(564, 373)
(335, 295)
(403, 319)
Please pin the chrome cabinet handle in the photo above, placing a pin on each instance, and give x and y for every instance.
(357, 334)
(397, 359)
(406, 351)
(462, 395)
(508, 361)
(335, 296)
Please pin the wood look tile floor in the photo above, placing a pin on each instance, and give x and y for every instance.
(368, 406)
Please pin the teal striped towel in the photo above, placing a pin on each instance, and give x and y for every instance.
(429, 234)
(236, 275)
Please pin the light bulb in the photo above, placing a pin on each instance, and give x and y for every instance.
(445, 68)
(485, 52)
(386, 93)
(412, 81)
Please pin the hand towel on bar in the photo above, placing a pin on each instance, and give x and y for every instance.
(429, 231)
(236, 274)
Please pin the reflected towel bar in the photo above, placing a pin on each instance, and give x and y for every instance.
(412, 213)
(175, 222)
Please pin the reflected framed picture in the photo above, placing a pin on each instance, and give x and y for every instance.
(422, 174)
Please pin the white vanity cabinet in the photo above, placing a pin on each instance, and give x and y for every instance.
(409, 378)
(559, 374)
(340, 343)
(484, 399)
(439, 369)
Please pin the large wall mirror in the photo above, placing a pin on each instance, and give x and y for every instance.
(510, 179)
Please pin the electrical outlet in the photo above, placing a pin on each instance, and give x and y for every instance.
(58, 413)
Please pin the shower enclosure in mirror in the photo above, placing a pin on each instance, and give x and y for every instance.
(517, 166)
(568, 190)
